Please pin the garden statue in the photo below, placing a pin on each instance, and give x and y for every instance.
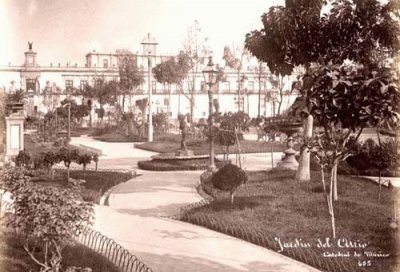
(183, 127)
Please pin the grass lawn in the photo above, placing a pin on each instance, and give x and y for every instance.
(116, 137)
(273, 205)
(13, 258)
(178, 164)
(173, 142)
(97, 182)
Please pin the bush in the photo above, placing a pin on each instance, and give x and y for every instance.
(46, 215)
(23, 159)
(370, 158)
(229, 178)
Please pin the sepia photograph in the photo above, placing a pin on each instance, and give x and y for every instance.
(199, 135)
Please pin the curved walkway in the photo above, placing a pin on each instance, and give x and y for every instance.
(137, 218)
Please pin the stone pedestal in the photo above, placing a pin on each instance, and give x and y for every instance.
(14, 135)
(289, 161)
(184, 153)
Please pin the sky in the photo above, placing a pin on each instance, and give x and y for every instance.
(66, 30)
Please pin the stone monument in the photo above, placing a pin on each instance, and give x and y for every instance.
(14, 134)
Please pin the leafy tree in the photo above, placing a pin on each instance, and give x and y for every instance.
(225, 138)
(299, 34)
(229, 178)
(160, 121)
(363, 32)
(172, 72)
(236, 62)
(84, 160)
(50, 158)
(67, 156)
(345, 100)
(142, 105)
(51, 96)
(46, 216)
(130, 76)
(230, 126)
(103, 92)
(96, 160)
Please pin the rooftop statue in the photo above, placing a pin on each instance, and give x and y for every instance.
(30, 45)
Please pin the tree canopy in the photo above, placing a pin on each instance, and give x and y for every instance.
(299, 34)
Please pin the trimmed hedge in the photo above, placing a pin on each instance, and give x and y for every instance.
(178, 164)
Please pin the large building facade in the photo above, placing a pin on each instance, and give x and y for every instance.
(258, 93)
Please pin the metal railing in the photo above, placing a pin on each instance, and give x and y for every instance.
(260, 238)
(113, 251)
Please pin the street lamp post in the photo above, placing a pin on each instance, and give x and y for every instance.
(210, 78)
(149, 50)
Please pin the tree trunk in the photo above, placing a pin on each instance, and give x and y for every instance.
(68, 173)
(272, 154)
(330, 206)
(380, 185)
(232, 196)
(96, 166)
(323, 179)
(303, 170)
(123, 102)
(84, 171)
(334, 177)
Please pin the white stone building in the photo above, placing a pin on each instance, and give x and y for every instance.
(33, 78)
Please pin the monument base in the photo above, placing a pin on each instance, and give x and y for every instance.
(184, 153)
(289, 161)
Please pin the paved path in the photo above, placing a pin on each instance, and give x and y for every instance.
(136, 219)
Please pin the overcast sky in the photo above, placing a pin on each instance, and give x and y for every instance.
(65, 30)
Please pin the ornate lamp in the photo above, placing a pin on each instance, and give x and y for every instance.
(149, 50)
(210, 78)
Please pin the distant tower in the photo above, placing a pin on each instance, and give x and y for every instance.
(30, 56)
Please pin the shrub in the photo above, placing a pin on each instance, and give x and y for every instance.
(46, 215)
(229, 178)
(23, 159)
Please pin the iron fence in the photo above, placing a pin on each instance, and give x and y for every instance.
(258, 237)
(113, 251)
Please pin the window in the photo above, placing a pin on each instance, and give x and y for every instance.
(227, 87)
(83, 84)
(98, 82)
(250, 85)
(153, 86)
(262, 85)
(105, 63)
(69, 84)
(31, 84)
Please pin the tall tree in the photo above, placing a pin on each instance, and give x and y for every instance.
(192, 58)
(297, 34)
(172, 72)
(130, 76)
(357, 31)
(234, 59)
